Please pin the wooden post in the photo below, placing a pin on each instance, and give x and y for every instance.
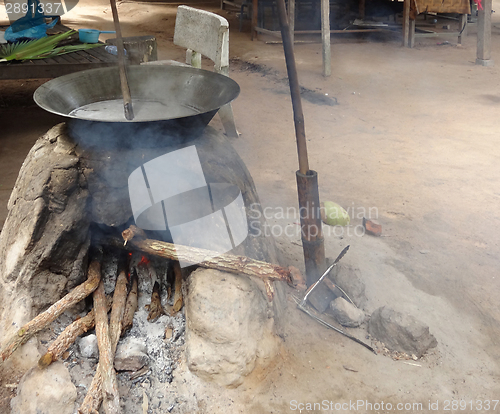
(462, 27)
(325, 37)
(484, 35)
(406, 23)
(411, 38)
(291, 19)
(255, 19)
(362, 8)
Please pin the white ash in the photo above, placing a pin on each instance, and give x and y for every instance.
(163, 354)
(109, 268)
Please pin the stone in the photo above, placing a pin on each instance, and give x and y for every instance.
(131, 355)
(47, 391)
(349, 279)
(401, 332)
(229, 327)
(23, 359)
(346, 313)
(88, 346)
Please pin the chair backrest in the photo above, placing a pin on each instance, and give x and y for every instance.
(205, 33)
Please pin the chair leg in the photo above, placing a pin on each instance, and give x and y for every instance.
(227, 118)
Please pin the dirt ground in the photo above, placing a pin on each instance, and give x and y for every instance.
(414, 142)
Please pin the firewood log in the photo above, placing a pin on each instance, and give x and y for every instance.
(208, 259)
(154, 307)
(94, 396)
(111, 397)
(45, 318)
(118, 310)
(68, 337)
(131, 304)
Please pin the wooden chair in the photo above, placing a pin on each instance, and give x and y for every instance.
(207, 34)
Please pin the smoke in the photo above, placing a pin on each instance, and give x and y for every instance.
(134, 135)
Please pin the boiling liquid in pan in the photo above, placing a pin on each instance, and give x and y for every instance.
(144, 110)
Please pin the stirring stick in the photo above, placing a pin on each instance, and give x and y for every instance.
(127, 99)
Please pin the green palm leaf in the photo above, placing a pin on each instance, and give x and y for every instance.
(58, 51)
(40, 48)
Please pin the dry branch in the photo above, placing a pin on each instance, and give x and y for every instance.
(178, 287)
(118, 310)
(67, 337)
(131, 304)
(94, 395)
(206, 258)
(111, 398)
(93, 399)
(154, 307)
(52, 313)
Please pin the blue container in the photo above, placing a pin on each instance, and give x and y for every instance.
(91, 35)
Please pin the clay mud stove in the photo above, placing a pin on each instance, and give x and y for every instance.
(70, 235)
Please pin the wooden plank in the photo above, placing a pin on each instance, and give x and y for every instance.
(93, 54)
(86, 57)
(301, 32)
(101, 54)
(105, 56)
(267, 32)
(59, 59)
(76, 58)
(70, 58)
(45, 71)
(325, 37)
(435, 34)
(341, 31)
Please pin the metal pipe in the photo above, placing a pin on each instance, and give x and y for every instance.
(313, 243)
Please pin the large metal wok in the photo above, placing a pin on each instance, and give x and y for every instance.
(182, 95)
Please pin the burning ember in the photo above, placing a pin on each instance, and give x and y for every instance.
(144, 261)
